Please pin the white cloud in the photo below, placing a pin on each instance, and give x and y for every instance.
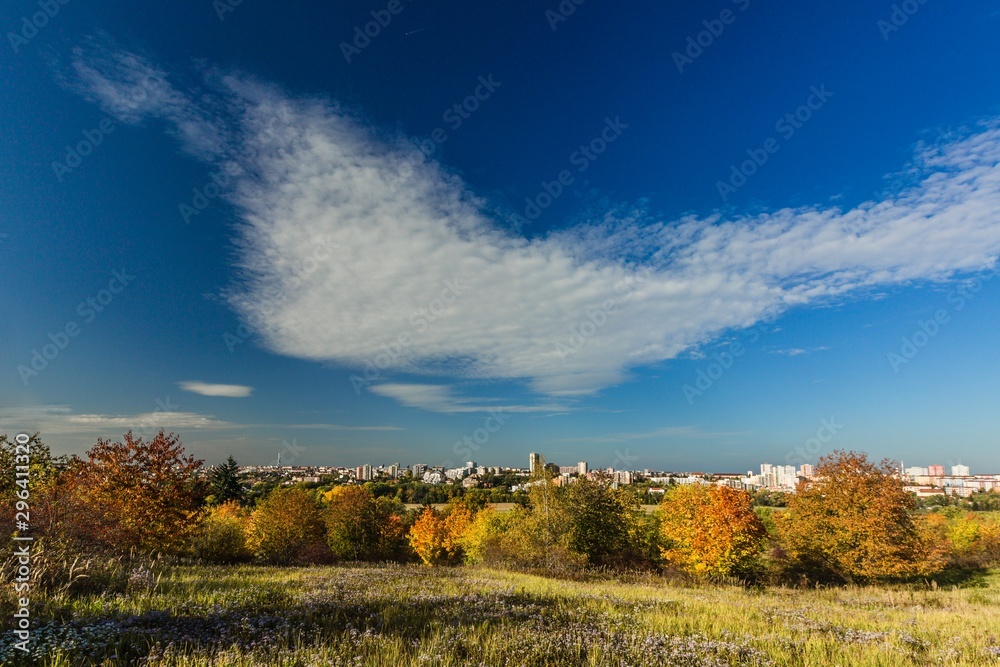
(61, 420)
(441, 398)
(418, 258)
(208, 389)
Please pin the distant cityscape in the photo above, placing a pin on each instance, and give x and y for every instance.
(923, 481)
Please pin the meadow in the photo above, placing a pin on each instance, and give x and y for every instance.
(399, 615)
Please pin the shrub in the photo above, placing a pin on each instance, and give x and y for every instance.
(287, 527)
(221, 535)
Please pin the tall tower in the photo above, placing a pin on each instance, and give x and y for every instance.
(534, 462)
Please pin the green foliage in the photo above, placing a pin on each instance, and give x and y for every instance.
(601, 519)
(224, 483)
(361, 527)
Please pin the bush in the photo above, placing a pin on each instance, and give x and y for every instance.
(287, 527)
(221, 536)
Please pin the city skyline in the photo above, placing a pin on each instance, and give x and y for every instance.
(637, 236)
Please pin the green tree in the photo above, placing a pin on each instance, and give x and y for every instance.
(224, 483)
(601, 519)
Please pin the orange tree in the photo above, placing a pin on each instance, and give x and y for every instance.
(854, 522)
(136, 494)
(428, 536)
(708, 529)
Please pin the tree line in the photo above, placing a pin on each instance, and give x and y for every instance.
(853, 523)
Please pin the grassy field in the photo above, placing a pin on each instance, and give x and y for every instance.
(396, 615)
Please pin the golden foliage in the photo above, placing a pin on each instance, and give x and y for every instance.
(708, 529)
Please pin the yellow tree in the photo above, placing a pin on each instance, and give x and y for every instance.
(456, 525)
(854, 522)
(708, 529)
(428, 536)
(287, 527)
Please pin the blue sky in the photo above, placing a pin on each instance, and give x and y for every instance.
(292, 244)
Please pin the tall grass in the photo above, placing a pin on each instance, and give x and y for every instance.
(401, 615)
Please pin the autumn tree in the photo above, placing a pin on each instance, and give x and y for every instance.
(854, 522)
(427, 537)
(224, 483)
(136, 494)
(710, 529)
(458, 518)
(361, 527)
(43, 482)
(287, 527)
(221, 535)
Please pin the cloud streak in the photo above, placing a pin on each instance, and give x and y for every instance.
(208, 389)
(403, 225)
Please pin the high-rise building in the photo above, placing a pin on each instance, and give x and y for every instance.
(394, 471)
(581, 468)
(807, 470)
(418, 469)
(534, 463)
(935, 470)
(363, 473)
(960, 470)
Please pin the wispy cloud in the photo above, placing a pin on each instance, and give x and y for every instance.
(404, 225)
(62, 420)
(442, 398)
(665, 433)
(208, 389)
